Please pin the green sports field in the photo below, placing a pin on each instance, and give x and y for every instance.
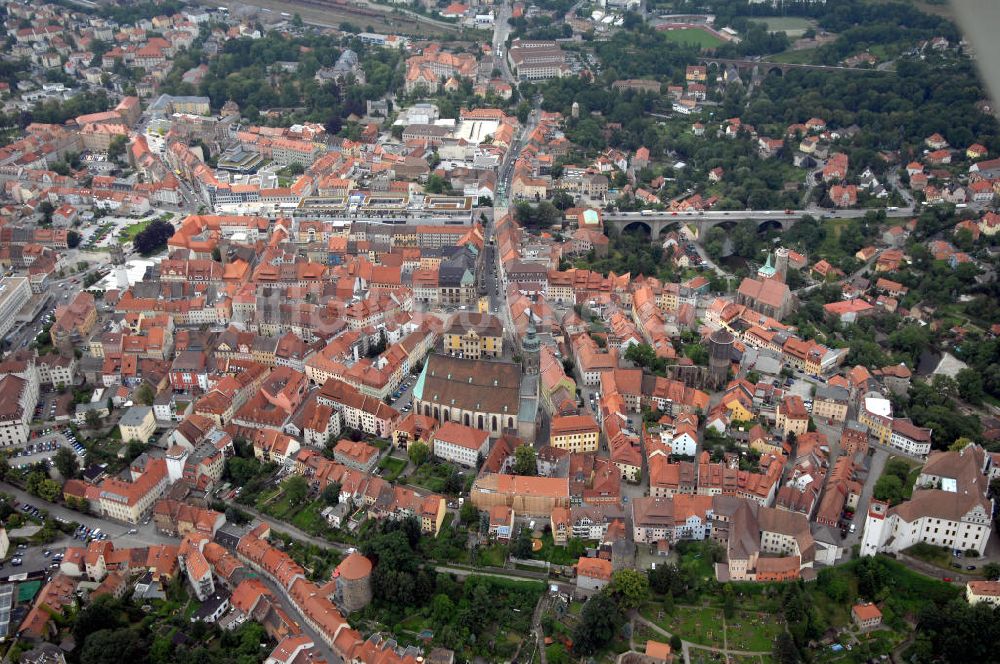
(693, 36)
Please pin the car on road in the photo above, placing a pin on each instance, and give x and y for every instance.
(970, 567)
(947, 579)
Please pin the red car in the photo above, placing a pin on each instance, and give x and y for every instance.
(947, 579)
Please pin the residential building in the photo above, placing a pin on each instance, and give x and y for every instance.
(985, 592)
(671, 519)
(460, 444)
(474, 336)
(357, 455)
(830, 403)
(592, 575)
(576, 433)
(501, 522)
(762, 543)
(876, 414)
(358, 411)
(909, 438)
(792, 416)
(131, 501)
(137, 424)
(866, 616)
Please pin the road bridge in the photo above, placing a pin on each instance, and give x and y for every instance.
(661, 222)
(767, 67)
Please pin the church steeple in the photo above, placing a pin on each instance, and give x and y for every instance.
(530, 350)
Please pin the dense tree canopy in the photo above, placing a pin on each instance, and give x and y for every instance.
(154, 237)
(246, 73)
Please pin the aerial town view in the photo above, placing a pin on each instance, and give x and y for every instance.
(499, 331)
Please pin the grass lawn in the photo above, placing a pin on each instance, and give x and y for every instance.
(696, 557)
(129, 232)
(267, 497)
(494, 556)
(413, 624)
(753, 630)
(281, 508)
(911, 479)
(802, 56)
(793, 26)
(431, 476)
(556, 653)
(558, 555)
(695, 36)
(745, 659)
(701, 625)
(309, 519)
(392, 467)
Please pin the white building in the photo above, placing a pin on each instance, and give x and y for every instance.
(987, 592)
(909, 438)
(14, 294)
(949, 507)
(18, 396)
(461, 444)
(56, 370)
(682, 441)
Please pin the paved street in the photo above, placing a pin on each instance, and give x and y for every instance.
(118, 533)
(60, 292)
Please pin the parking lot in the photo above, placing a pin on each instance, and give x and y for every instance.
(44, 447)
(48, 404)
(35, 558)
(402, 397)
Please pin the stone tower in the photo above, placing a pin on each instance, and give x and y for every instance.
(353, 582)
(575, 109)
(780, 263)
(117, 254)
(530, 349)
(877, 529)
(230, 109)
(720, 357)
